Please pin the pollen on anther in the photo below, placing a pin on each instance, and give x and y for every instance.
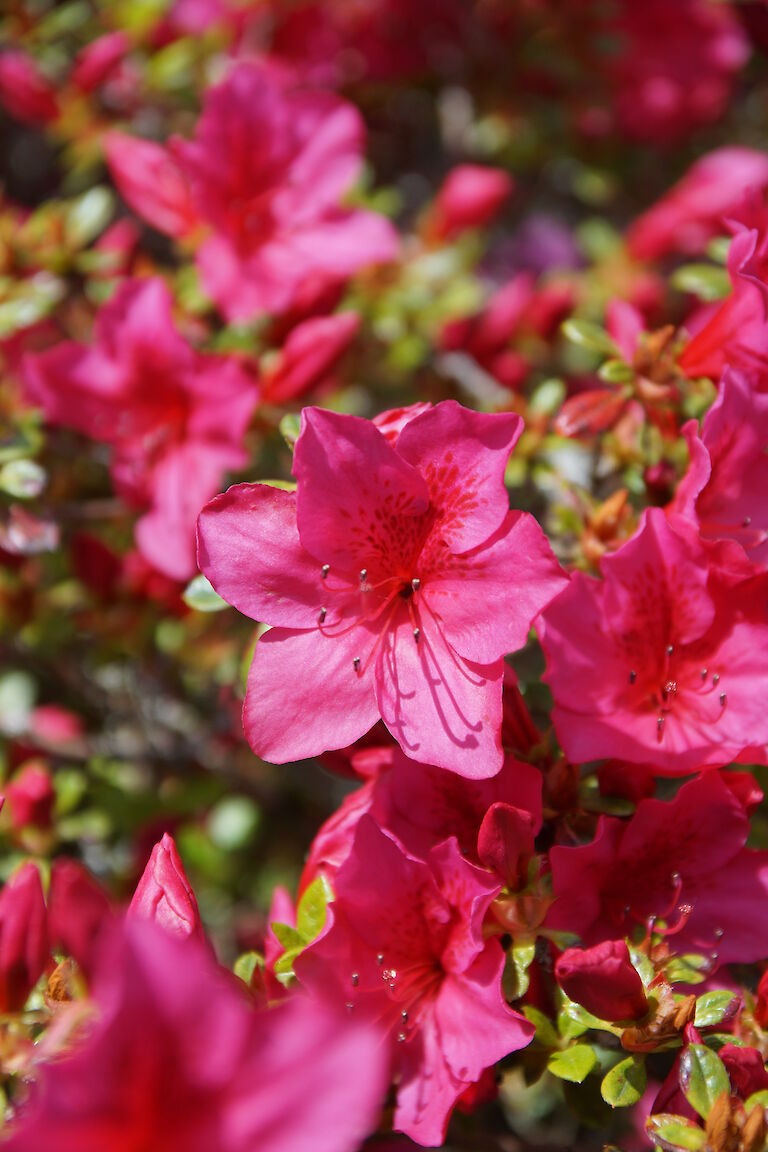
(659, 728)
(415, 583)
(325, 570)
(723, 699)
(670, 649)
(323, 614)
(416, 634)
(356, 663)
(404, 1016)
(355, 979)
(632, 676)
(716, 679)
(401, 1037)
(363, 575)
(704, 673)
(379, 958)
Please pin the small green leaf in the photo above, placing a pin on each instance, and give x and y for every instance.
(687, 969)
(675, 1132)
(760, 1098)
(200, 595)
(232, 822)
(313, 906)
(616, 371)
(289, 937)
(718, 249)
(284, 965)
(520, 957)
(246, 965)
(625, 1083)
(573, 1064)
(702, 280)
(545, 1029)
(702, 1078)
(589, 335)
(87, 216)
(22, 479)
(548, 396)
(712, 1007)
(290, 426)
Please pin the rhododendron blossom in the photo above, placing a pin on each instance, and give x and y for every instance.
(724, 489)
(404, 946)
(266, 173)
(661, 661)
(395, 579)
(175, 418)
(682, 861)
(177, 1060)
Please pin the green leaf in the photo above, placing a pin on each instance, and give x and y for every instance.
(520, 958)
(589, 335)
(548, 396)
(246, 965)
(88, 216)
(290, 426)
(545, 1029)
(687, 969)
(616, 371)
(200, 595)
(233, 822)
(22, 479)
(284, 965)
(289, 937)
(17, 699)
(702, 1078)
(313, 906)
(718, 249)
(573, 1020)
(625, 1083)
(760, 1098)
(712, 1007)
(702, 280)
(573, 1064)
(675, 1132)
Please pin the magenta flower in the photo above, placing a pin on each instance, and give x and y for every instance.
(396, 579)
(724, 488)
(683, 861)
(24, 945)
(178, 1061)
(660, 662)
(404, 946)
(174, 417)
(164, 895)
(266, 174)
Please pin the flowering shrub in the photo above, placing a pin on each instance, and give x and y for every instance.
(383, 575)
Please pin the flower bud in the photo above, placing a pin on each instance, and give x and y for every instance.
(24, 947)
(164, 894)
(470, 197)
(30, 796)
(603, 980)
(78, 910)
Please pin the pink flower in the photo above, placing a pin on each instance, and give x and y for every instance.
(692, 212)
(174, 417)
(177, 1060)
(470, 197)
(660, 662)
(404, 946)
(735, 333)
(164, 895)
(24, 944)
(422, 808)
(724, 489)
(99, 60)
(308, 356)
(683, 861)
(30, 796)
(603, 980)
(24, 91)
(396, 579)
(266, 173)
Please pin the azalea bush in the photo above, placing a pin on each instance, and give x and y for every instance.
(383, 575)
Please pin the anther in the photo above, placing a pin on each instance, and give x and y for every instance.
(632, 676)
(363, 575)
(401, 1037)
(719, 933)
(716, 679)
(416, 634)
(670, 649)
(660, 728)
(415, 583)
(723, 699)
(404, 1016)
(380, 958)
(355, 979)
(323, 614)
(325, 570)
(704, 673)
(746, 522)
(356, 663)
(350, 1005)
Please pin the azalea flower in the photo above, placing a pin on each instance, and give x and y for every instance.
(724, 489)
(264, 177)
(177, 1060)
(660, 662)
(404, 946)
(174, 417)
(164, 894)
(395, 579)
(683, 861)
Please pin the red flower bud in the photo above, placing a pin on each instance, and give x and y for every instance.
(164, 894)
(470, 197)
(603, 980)
(78, 910)
(24, 91)
(30, 796)
(505, 842)
(24, 948)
